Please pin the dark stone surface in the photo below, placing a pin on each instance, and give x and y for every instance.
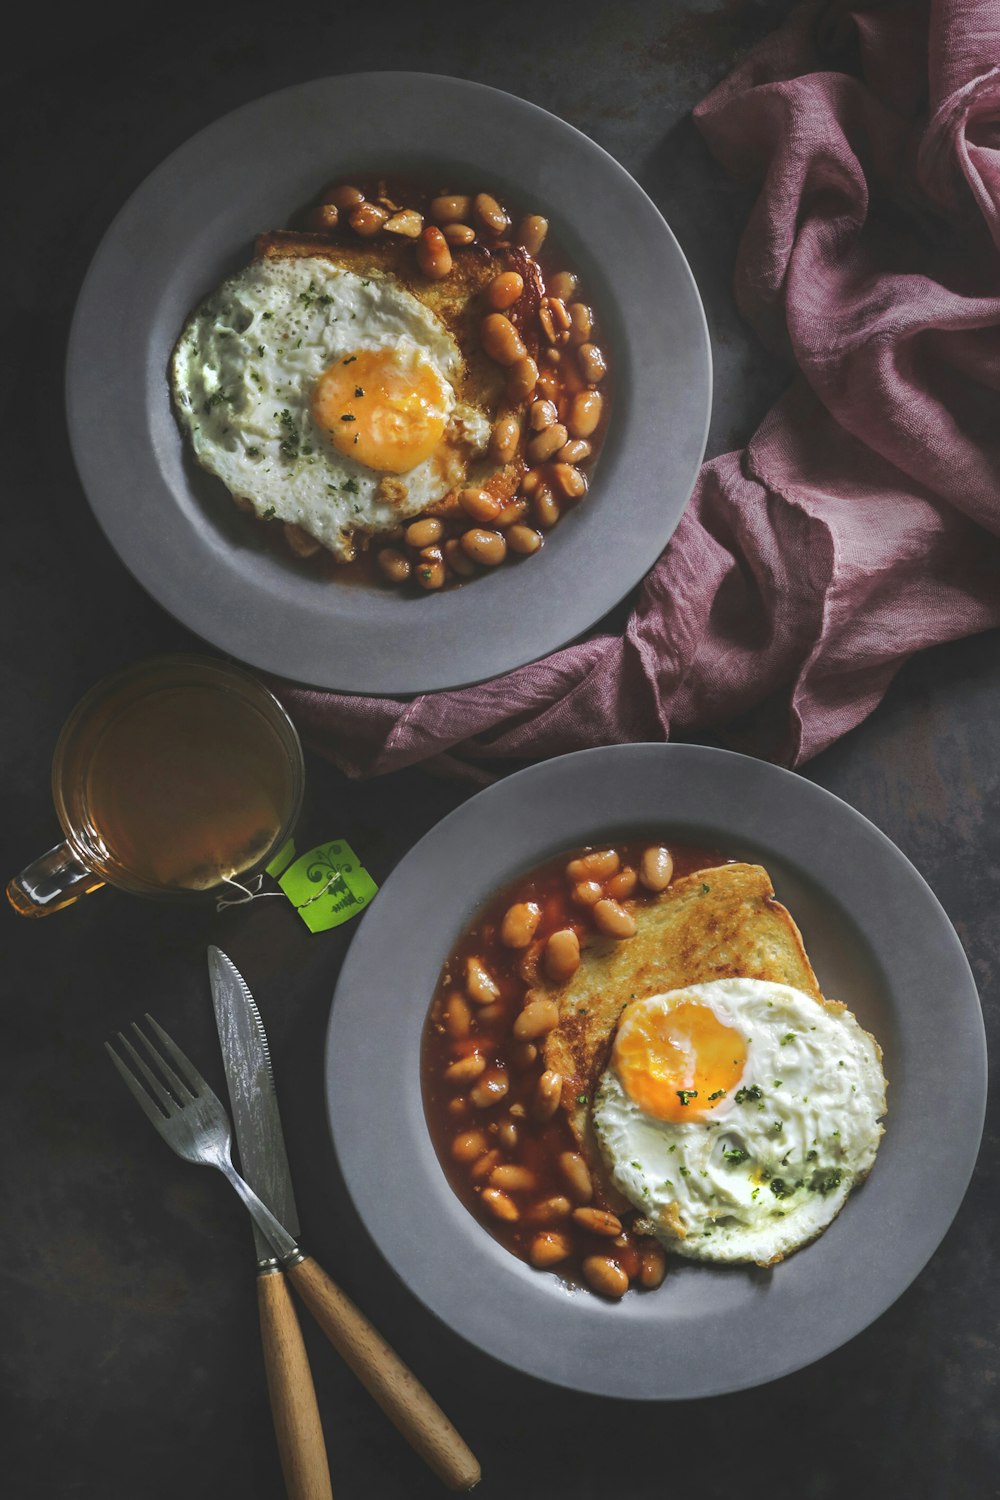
(130, 1355)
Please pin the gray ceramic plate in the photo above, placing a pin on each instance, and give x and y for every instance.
(192, 222)
(878, 940)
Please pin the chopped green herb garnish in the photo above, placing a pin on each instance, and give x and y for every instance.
(346, 417)
(253, 453)
(359, 390)
(269, 513)
(746, 1095)
(780, 1188)
(789, 1036)
(737, 1154)
(825, 1182)
(582, 1099)
(349, 360)
(705, 888)
(686, 1095)
(351, 486)
(719, 1094)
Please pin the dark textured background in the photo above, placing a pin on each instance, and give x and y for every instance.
(129, 1350)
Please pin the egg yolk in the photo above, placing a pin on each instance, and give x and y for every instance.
(386, 409)
(678, 1064)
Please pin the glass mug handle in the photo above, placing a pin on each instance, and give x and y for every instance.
(52, 881)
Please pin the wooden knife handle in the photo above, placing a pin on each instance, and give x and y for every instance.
(293, 1398)
(396, 1389)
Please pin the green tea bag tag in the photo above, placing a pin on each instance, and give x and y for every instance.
(328, 885)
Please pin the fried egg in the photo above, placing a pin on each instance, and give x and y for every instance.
(737, 1116)
(326, 399)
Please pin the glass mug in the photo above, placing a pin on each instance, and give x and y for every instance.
(169, 778)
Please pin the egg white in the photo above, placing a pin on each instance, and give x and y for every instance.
(809, 1138)
(243, 373)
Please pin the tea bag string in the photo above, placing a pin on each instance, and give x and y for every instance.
(252, 891)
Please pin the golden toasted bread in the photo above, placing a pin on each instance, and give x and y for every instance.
(720, 923)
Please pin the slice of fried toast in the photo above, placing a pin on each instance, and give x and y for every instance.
(720, 923)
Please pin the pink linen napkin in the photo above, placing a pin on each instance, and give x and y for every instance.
(862, 522)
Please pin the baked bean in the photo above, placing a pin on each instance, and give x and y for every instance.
(367, 219)
(457, 1016)
(554, 356)
(520, 923)
(568, 480)
(507, 1135)
(515, 510)
(518, 1111)
(548, 384)
(592, 364)
(574, 452)
(604, 1275)
(527, 968)
(466, 1069)
(522, 378)
(429, 571)
(546, 321)
(562, 955)
(585, 413)
(562, 285)
(300, 542)
(523, 1056)
(489, 213)
(653, 1266)
(621, 886)
(490, 1089)
(457, 560)
(394, 564)
(490, 1015)
(523, 540)
(532, 480)
(549, 1210)
(581, 321)
(458, 234)
(587, 893)
(344, 196)
(548, 1249)
(501, 340)
(504, 290)
(531, 233)
(576, 1175)
(538, 1018)
(458, 1106)
(502, 1207)
(407, 223)
(468, 1146)
(600, 864)
(433, 255)
(480, 504)
(656, 868)
(597, 1221)
(546, 443)
(479, 983)
(423, 533)
(449, 208)
(543, 414)
(613, 920)
(512, 1177)
(324, 217)
(560, 313)
(548, 1092)
(484, 1166)
(505, 437)
(486, 547)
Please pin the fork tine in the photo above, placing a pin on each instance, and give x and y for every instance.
(181, 1089)
(145, 1103)
(196, 1083)
(155, 1087)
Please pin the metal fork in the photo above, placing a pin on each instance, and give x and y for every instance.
(192, 1121)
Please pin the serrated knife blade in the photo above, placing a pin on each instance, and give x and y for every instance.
(247, 1059)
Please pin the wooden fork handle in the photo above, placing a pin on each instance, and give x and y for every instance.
(396, 1389)
(297, 1426)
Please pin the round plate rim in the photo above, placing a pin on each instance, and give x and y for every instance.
(357, 1153)
(249, 604)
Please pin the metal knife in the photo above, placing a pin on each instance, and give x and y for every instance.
(265, 1165)
(297, 1425)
